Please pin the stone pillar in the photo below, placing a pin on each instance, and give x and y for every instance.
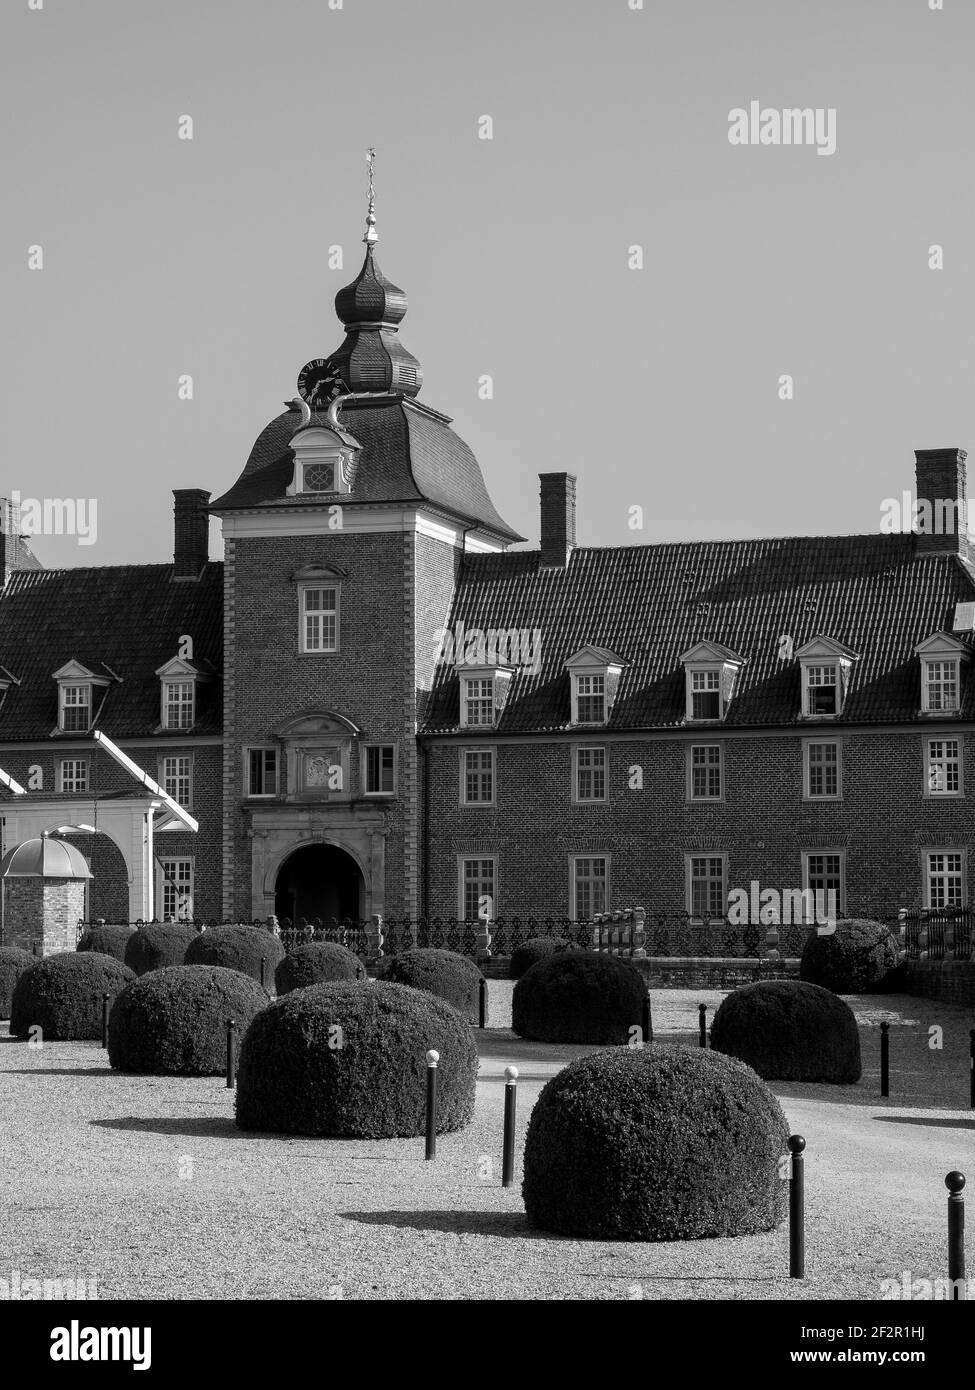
(43, 912)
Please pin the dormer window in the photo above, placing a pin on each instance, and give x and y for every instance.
(317, 477)
(590, 700)
(323, 461)
(822, 690)
(595, 675)
(79, 690)
(710, 673)
(179, 680)
(75, 708)
(706, 694)
(825, 665)
(483, 692)
(941, 657)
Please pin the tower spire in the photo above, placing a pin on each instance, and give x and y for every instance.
(371, 235)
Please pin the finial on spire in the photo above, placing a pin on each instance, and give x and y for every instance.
(371, 236)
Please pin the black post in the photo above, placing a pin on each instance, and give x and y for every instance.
(432, 1059)
(482, 1004)
(105, 998)
(231, 1058)
(955, 1182)
(647, 1020)
(263, 969)
(702, 1023)
(34, 947)
(797, 1214)
(971, 1067)
(885, 1059)
(510, 1106)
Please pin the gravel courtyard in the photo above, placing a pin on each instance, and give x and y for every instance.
(146, 1183)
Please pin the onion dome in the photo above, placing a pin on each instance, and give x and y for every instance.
(45, 857)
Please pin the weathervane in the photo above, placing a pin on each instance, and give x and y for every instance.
(371, 236)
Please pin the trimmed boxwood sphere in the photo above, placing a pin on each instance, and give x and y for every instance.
(63, 994)
(13, 963)
(107, 938)
(538, 948)
(789, 1031)
(299, 1074)
(237, 948)
(578, 997)
(157, 945)
(445, 973)
(655, 1144)
(317, 963)
(857, 957)
(173, 1022)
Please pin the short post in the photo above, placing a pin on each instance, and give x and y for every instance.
(263, 972)
(885, 1059)
(955, 1183)
(482, 1007)
(797, 1215)
(510, 1106)
(34, 947)
(231, 1057)
(702, 1024)
(105, 999)
(432, 1059)
(647, 1020)
(971, 1067)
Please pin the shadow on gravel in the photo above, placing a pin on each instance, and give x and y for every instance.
(195, 1127)
(61, 1071)
(934, 1122)
(470, 1223)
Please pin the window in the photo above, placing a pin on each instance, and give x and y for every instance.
(179, 704)
(705, 694)
(478, 701)
(704, 782)
(175, 893)
(590, 778)
(477, 889)
(74, 774)
(706, 891)
(822, 770)
(319, 618)
(380, 769)
(945, 874)
(318, 477)
(75, 708)
(822, 690)
(262, 771)
(590, 699)
(589, 891)
(823, 872)
(477, 777)
(940, 694)
(942, 775)
(177, 778)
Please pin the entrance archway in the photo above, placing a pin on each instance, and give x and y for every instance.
(319, 881)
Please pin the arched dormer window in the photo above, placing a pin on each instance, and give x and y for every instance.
(323, 462)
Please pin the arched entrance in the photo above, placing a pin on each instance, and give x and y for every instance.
(319, 881)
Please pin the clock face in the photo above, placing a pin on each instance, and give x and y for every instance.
(319, 383)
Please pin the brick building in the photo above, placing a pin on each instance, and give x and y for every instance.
(376, 704)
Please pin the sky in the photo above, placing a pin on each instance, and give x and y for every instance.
(660, 387)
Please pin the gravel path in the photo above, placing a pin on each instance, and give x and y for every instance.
(146, 1183)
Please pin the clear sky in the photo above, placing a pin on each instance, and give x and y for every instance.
(658, 387)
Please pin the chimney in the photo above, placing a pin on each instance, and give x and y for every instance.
(558, 494)
(942, 503)
(192, 544)
(15, 553)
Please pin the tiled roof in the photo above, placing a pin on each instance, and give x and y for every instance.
(128, 618)
(651, 603)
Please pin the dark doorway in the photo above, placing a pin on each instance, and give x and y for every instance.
(319, 881)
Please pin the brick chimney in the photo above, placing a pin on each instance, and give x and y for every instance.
(942, 503)
(192, 544)
(558, 495)
(15, 553)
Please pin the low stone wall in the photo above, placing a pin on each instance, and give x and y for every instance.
(687, 972)
(950, 981)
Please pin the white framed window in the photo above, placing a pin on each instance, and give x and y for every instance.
(942, 767)
(945, 874)
(704, 700)
(318, 476)
(174, 890)
(176, 777)
(260, 771)
(939, 686)
(705, 772)
(379, 769)
(319, 617)
(178, 704)
(74, 775)
(824, 871)
(822, 769)
(706, 884)
(822, 690)
(477, 777)
(477, 887)
(590, 699)
(75, 708)
(589, 780)
(588, 885)
(477, 701)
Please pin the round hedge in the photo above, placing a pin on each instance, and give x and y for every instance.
(237, 948)
(444, 973)
(173, 1022)
(13, 963)
(63, 995)
(788, 1030)
(655, 1144)
(578, 997)
(347, 1061)
(106, 938)
(857, 957)
(157, 945)
(536, 949)
(317, 963)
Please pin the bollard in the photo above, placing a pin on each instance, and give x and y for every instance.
(797, 1215)
(263, 971)
(885, 1059)
(955, 1182)
(702, 1024)
(34, 948)
(105, 999)
(510, 1106)
(432, 1059)
(482, 1004)
(231, 1059)
(971, 1068)
(647, 1021)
